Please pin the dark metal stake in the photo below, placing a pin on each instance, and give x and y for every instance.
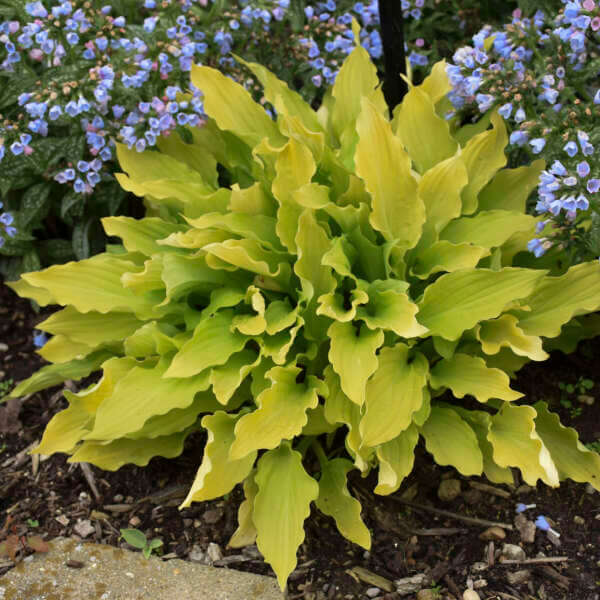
(392, 38)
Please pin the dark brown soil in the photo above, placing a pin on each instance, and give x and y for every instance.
(48, 496)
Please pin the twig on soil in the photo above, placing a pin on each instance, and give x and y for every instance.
(89, 477)
(452, 586)
(447, 513)
(435, 531)
(533, 561)
(490, 489)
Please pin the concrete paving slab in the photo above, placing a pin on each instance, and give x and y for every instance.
(109, 573)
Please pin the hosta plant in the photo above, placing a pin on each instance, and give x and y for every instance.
(325, 276)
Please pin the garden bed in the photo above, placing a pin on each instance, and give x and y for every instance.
(54, 498)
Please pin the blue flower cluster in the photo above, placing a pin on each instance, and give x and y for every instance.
(535, 72)
(339, 40)
(6, 225)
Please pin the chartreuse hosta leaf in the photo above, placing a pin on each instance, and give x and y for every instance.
(285, 492)
(70, 425)
(483, 155)
(458, 301)
(393, 394)
(558, 299)
(396, 459)
(349, 273)
(510, 188)
(516, 444)
(425, 136)
(505, 332)
(218, 474)
(352, 355)
(480, 422)
(122, 451)
(212, 344)
(465, 374)
(232, 107)
(335, 501)
(463, 453)
(396, 209)
(571, 457)
(281, 412)
(245, 534)
(155, 395)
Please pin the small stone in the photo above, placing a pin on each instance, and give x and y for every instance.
(75, 564)
(479, 566)
(188, 522)
(84, 528)
(118, 498)
(212, 516)
(426, 595)
(63, 520)
(449, 490)
(410, 493)
(214, 552)
(480, 583)
(3, 347)
(373, 592)
(492, 533)
(578, 520)
(513, 552)
(135, 521)
(589, 489)
(471, 595)
(409, 585)
(526, 528)
(197, 554)
(518, 577)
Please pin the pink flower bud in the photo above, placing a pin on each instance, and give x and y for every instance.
(36, 54)
(154, 66)
(164, 76)
(589, 5)
(419, 42)
(595, 23)
(27, 150)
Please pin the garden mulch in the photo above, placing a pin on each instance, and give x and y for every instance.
(49, 497)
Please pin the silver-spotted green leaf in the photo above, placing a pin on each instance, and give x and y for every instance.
(505, 332)
(285, 492)
(335, 501)
(352, 355)
(397, 211)
(451, 441)
(516, 444)
(393, 394)
(281, 413)
(458, 301)
(465, 374)
(396, 460)
(218, 474)
(571, 457)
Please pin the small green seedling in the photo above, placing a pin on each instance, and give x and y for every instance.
(594, 446)
(135, 538)
(33, 523)
(580, 388)
(6, 386)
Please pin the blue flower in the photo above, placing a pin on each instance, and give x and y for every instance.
(583, 169)
(520, 115)
(571, 148)
(558, 168)
(537, 145)
(518, 137)
(6, 219)
(36, 9)
(39, 339)
(593, 185)
(505, 110)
